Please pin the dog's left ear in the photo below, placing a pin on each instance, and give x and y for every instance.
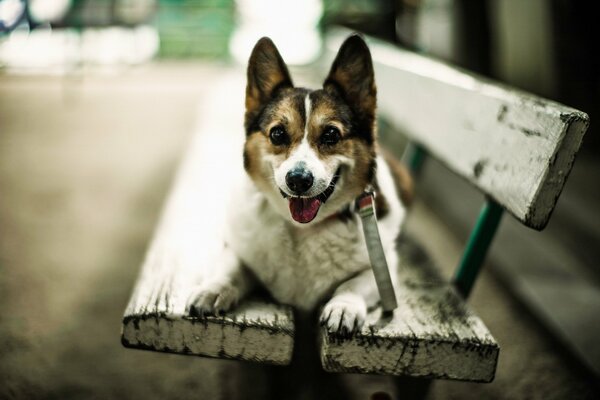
(352, 77)
(267, 74)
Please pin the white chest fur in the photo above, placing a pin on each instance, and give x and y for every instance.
(300, 266)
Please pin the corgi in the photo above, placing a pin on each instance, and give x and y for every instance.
(308, 155)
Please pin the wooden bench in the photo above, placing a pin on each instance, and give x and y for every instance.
(515, 147)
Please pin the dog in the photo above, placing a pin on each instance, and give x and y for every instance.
(308, 155)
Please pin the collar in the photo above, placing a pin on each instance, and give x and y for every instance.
(365, 201)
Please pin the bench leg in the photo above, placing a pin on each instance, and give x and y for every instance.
(413, 388)
(304, 378)
(477, 247)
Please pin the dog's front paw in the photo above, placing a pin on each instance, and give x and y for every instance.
(212, 299)
(344, 313)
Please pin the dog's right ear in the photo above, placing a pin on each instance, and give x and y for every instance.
(352, 77)
(267, 74)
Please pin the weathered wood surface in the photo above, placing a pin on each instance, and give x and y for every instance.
(186, 246)
(431, 334)
(516, 147)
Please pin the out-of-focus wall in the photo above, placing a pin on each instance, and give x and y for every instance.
(522, 45)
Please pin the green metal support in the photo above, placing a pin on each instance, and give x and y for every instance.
(414, 156)
(481, 236)
(477, 247)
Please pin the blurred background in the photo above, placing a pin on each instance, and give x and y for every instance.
(98, 99)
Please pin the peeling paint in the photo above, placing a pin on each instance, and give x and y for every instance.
(502, 113)
(528, 132)
(479, 167)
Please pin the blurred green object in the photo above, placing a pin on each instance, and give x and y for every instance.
(477, 247)
(186, 28)
(195, 28)
(107, 13)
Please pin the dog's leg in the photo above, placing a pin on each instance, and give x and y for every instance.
(347, 309)
(221, 291)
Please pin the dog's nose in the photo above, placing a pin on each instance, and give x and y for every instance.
(299, 180)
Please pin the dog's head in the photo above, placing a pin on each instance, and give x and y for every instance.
(310, 151)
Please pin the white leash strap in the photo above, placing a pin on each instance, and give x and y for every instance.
(366, 209)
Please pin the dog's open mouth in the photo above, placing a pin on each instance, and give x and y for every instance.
(305, 209)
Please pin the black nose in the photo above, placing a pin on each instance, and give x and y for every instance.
(299, 180)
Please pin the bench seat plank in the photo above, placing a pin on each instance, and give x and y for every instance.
(431, 334)
(255, 331)
(186, 246)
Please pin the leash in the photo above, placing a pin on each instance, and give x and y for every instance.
(365, 204)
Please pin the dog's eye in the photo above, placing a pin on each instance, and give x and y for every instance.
(330, 136)
(278, 135)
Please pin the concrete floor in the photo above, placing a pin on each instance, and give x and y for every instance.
(85, 163)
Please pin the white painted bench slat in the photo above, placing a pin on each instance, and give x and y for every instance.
(515, 147)
(186, 244)
(431, 334)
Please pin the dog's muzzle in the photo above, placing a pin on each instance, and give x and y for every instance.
(305, 209)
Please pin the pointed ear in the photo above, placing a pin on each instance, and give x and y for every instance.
(267, 74)
(352, 77)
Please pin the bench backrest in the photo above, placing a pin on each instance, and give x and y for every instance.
(515, 147)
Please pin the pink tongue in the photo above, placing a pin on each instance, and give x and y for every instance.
(304, 210)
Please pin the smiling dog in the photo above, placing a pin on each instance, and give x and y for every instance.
(308, 155)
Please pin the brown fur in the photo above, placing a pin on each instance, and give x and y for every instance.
(353, 79)
(255, 146)
(288, 111)
(347, 101)
(402, 178)
(267, 74)
(381, 205)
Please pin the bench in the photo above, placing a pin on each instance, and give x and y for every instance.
(516, 148)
